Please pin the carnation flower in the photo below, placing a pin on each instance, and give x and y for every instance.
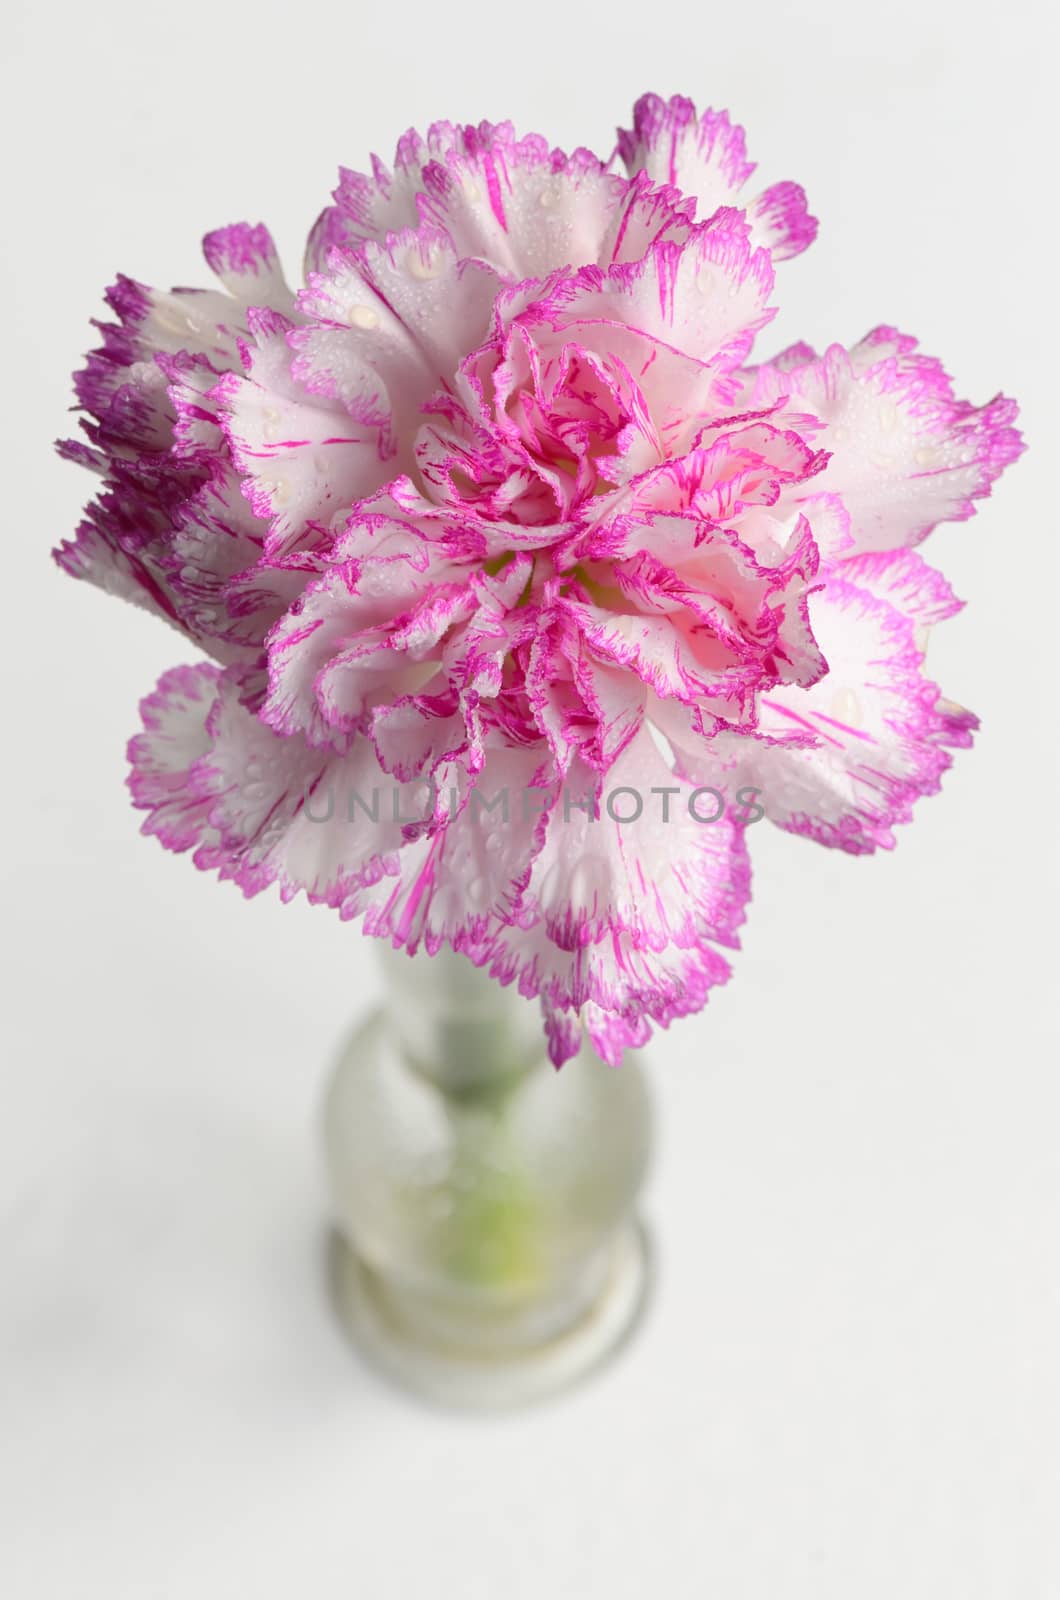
(497, 511)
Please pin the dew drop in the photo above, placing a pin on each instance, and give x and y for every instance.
(172, 320)
(422, 264)
(477, 892)
(363, 317)
(147, 374)
(846, 707)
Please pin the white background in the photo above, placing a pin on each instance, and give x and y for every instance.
(848, 1387)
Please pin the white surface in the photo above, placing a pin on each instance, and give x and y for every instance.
(848, 1388)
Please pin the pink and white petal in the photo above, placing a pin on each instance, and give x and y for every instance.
(623, 920)
(443, 301)
(615, 706)
(520, 206)
(196, 436)
(554, 701)
(96, 556)
(780, 220)
(196, 322)
(706, 298)
(878, 345)
(130, 412)
(672, 327)
(263, 810)
(954, 726)
(509, 201)
(371, 205)
(460, 881)
(661, 877)
(905, 454)
(703, 156)
(658, 651)
(879, 725)
(904, 579)
(209, 551)
(753, 466)
(613, 990)
(353, 329)
(335, 364)
(420, 735)
(305, 461)
(259, 808)
(747, 387)
(829, 522)
(287, 813)
(515, 202)
(612, 1035)
(649, 214)
(175, 736)
(467, 625)
(795, 355)
(332, 653)
(245, 259)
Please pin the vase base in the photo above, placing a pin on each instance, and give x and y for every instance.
(499, 1381)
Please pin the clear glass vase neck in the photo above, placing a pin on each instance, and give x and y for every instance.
(455, 1024)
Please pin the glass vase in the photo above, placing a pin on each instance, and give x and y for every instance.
(486, 1249)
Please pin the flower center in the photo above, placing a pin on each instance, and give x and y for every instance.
(539, 438)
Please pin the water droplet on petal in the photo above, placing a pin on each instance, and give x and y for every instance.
(423, 264)
(173, 319)
(846, 707)
(363, 317)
